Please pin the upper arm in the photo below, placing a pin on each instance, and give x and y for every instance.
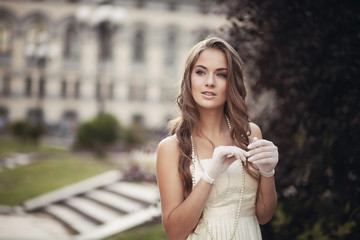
(255, 131)
(169, 181)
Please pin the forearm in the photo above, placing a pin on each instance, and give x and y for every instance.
(184, 218)
(266, 200)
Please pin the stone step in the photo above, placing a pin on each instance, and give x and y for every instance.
(73, 219)
(143, 193)
(92, 209)
(72, 190)
(114, 200)
(121, 224)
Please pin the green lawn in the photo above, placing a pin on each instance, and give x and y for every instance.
(55, 169)
(9, 145)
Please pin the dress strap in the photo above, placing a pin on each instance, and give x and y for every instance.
(175, 137)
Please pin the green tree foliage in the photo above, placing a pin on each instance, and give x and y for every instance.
(309, 52)
(99, 133)
(27, 131)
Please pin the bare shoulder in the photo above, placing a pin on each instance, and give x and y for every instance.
(167, 164)
(255, 131)
(168, 176)
(168, 143)
(168, 150)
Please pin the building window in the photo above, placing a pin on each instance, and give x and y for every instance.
(68, 124)
(98, 91)
(140, 3)
(4, 118)
(5, 39)
(5, 35)
(42, 86)
(138, 120)
(28, 86)
(63, 89)
(35, 115)
(105, 41)
(172, 6)
(71, 48)
(139, 46)
(36, 44)
(6, 85)
(111, 91)
(77, 90)
(170, 54)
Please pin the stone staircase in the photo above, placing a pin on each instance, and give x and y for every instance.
(101, 206)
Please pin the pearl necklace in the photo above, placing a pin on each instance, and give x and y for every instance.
(237, 216)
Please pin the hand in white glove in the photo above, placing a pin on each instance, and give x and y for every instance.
(222, 157)
(264, 154)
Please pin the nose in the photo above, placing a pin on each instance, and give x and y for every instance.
(210, 81)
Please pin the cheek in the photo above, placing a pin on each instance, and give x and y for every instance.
(192, 85)
(224, 86)
(194, 82)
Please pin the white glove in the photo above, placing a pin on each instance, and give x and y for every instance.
(222, 157)
(264, 154)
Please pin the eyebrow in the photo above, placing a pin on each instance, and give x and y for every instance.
(218, 69)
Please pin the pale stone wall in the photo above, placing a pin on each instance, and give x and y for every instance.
(153, 81)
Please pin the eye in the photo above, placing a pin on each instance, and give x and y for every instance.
(200, 72)
(223, 75)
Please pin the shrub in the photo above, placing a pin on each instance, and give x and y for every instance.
(97, 134)
(25, 130)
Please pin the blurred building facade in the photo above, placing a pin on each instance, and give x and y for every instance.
(67, 61)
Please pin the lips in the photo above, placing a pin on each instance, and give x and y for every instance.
(209, 94)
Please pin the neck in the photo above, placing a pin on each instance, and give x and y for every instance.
(212, 124)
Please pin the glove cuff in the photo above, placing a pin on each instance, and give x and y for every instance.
(207, 178)
(270, 174)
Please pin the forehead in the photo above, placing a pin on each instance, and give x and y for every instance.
(211, 58)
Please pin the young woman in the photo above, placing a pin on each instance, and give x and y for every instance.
(215, 173)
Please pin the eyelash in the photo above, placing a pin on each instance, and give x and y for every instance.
(199, 72)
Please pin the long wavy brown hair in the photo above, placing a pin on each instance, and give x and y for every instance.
(235, 107)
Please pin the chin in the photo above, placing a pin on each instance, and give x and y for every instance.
(211, 106)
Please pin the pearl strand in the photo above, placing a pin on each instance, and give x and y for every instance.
(228, 122)
(192, 167)
(237, 216)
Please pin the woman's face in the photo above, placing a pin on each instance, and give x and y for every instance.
(209, 79)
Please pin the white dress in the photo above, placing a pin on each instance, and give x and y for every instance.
(222, 205)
